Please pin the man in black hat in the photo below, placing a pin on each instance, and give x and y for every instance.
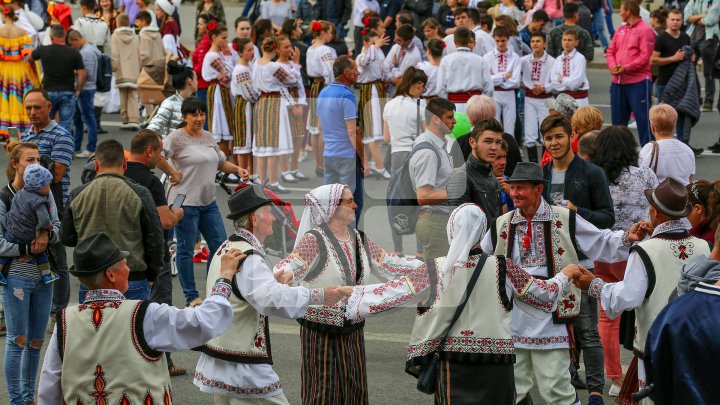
(110, 347)
(543, 239)
(238, 363)
(653, 268)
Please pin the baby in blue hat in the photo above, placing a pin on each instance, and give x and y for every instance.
(28, 215)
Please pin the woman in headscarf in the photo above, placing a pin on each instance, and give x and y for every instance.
(479, 345)
(328, 251)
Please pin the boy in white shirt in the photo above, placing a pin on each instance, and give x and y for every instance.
(568, 73)
(463, 74)
(505, 73)
(403, 54)
(536, 82)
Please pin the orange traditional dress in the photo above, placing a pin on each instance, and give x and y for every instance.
(16, 78)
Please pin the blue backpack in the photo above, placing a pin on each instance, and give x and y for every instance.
(402, 203)
(103, 82)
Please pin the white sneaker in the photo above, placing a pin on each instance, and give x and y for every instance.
(614, 390)
(287, 177)
(84, 154)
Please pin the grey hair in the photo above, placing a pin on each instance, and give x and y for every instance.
(242, 223)
(95, 281)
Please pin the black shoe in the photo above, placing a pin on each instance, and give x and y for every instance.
(320, 172)
(714, 148)
(707, 107)
(697, 151)
(102, 130)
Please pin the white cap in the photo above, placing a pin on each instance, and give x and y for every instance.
(168, 6)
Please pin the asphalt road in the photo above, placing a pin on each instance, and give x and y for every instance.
(387, 336)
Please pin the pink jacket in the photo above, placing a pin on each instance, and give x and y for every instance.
(631, 47)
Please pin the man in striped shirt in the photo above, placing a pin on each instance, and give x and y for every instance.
(55, 145)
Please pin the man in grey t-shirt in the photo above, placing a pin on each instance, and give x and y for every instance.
(85, 110)
(430, 177)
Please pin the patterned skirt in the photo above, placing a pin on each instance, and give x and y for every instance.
(318, 84)
(333, 367)
(242, 119)
(220, 112)
(297, 124)
(370, 107)
(272, 126)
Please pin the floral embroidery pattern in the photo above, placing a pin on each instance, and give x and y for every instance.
(97, 307)
(595, 288)
(100, 384)
(682, 250)
(541, 341)
(463, 344)
(233, 389)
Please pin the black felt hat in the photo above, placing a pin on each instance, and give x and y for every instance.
(95, 254)
(247, 200)
(527, 171)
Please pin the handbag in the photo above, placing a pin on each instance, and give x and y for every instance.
(427, 377)
(655, 158)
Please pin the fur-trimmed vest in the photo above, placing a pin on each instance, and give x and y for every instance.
(105, 355)
(247, 340)
(481, 333)
(553, 236)
(663, 255)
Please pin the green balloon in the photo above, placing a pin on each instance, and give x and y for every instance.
(462, 125)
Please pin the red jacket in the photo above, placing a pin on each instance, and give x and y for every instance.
(197, 60)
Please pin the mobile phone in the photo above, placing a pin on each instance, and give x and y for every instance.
(13, 134)
(179, 200)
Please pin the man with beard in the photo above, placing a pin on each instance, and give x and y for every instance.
(582, 187)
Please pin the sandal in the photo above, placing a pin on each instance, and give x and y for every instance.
(176, 370)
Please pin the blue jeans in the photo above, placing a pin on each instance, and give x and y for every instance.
(247, 8)
(609, 20)
(208, 221)
(598, 24)
(137, 290)
(27, 310)
(632, 98)
(85, 113)
(349, 172)
(65, 103)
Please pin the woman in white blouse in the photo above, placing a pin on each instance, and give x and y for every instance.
(434, 53)
(245, 96)
(404, 121)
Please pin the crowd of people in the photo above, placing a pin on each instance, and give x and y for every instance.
(565, 236)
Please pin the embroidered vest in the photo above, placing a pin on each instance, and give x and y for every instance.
(555, 250)
(247, 340)
(105, 355)
(663, 256)
(333, 268)
(481, 333)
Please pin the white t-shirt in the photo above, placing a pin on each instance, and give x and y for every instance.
(675, 159)
(400, 114)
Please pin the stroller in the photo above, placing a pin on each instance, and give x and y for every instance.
(285, 227)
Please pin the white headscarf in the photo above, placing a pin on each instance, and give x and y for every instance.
(320, 206)
(467, 224)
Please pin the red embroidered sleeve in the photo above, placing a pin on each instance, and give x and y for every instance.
(299, 261)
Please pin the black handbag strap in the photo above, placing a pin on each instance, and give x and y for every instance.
(468, 291)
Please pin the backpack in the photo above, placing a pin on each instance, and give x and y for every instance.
(402, 200)
(103, 82)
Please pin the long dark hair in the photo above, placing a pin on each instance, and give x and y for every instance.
(615, 150)
(411, 76)
(180, 74)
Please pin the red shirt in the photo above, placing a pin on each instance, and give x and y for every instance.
(546, 158)
(631, 48)
(197, 60)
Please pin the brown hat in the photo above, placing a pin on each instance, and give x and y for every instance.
(670, 198)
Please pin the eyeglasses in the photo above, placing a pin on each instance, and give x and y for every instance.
(347, 201)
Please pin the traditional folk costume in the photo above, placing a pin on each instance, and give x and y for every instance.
(373, 93)
(568, 76)
(652, 273)
(245, 96)
(552, 241)
(278, 85)
(461, 75)
(501, 63)
(431, 72)
(16, 79)
(111, 348)
(479, 347)
(536, 72)
(319, 68)
(484, 43)
(333, 348)
(399, 59)
(219, 99)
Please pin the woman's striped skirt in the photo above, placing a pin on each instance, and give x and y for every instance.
(370, 107)
(317, 84)
(220, 112)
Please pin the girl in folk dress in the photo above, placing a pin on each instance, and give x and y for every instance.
(297, 114)
(320, 59)
(373, 92)
(217, 70)
(271, 115)
(434, 53)
(245, 96)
